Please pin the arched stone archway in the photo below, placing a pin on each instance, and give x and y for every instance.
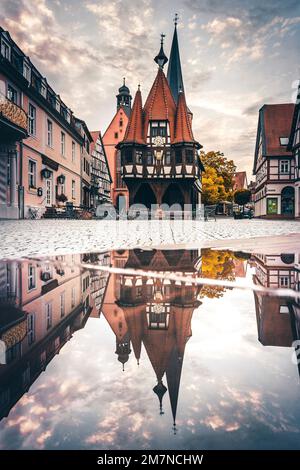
(145, 195)
(173, 195)
(288, 201)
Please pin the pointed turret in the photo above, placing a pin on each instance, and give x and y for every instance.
(174, 69)
(160, 390)
(124, 98)
(183, 128)
(134, 131)
(161, 59)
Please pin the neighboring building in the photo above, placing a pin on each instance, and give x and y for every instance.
(274, 163)
(294, 146)
(112, 136)
(42, 303)
(251, 187)
(240, 180)
(100, 174)
(277, 317)
(160, 158)
(86, 162)
(47, 163)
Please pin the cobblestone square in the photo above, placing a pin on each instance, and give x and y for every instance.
(46, 237)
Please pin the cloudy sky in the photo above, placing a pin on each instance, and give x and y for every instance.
(236, 55)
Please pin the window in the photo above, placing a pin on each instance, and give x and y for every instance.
(158, 128)
(149, 158)
(272, 205)
(284, 281)
(31, 277)
(139, 157)
(284, 140)
(284, 166)
(189, 156)
(5, 50)
(284, 309)
(127, 156)
(48, 316)
(31, 174)
(26, 71)
(178, 156)
(62, 143)
(43, 89)
(49, 133)
(73, 152)
(73, 298)
(168, 158)
(31, 328)
(62, 304)
(73, 189)
(12, 94)
(31, 120)
(116, 135)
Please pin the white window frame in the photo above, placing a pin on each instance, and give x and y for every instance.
(62, 143)
(5, 47)
(73, 151)
(48, 315)
(49, 133)
(31, 173)
(31, 328)
(32, 120)
(284, 167)
(62, 303)
(26, 71)
(284, 141)
(31, 277)
(284, 281)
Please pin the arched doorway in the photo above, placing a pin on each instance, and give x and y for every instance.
(173, 195)
(288, 201)
(121, 203)
(145, 196)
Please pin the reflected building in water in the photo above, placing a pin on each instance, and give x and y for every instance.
(278, 317)
(42, 303)
(154, 313)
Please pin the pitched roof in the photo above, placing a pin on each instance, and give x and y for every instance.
(277, 123)
(240, 180)
(294, 120)
(134, 130)
(274, 121)
(183, 128)
(160, 104)
(174, 74)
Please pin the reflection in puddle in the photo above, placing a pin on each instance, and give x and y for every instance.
(147, 310)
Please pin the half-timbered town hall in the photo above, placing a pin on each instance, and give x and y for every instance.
(159, 154)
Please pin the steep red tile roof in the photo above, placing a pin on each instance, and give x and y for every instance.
(183, 129)
(134, 131)
(160, 104)
(240, 180)
(277, 122)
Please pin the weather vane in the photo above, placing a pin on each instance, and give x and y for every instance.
(176, 19)
(162, 36)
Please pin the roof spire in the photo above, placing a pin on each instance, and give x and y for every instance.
(161, 59)
(174, 75)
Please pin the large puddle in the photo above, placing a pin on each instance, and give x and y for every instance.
(150, 349)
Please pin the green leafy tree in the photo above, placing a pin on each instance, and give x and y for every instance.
(242, 197)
